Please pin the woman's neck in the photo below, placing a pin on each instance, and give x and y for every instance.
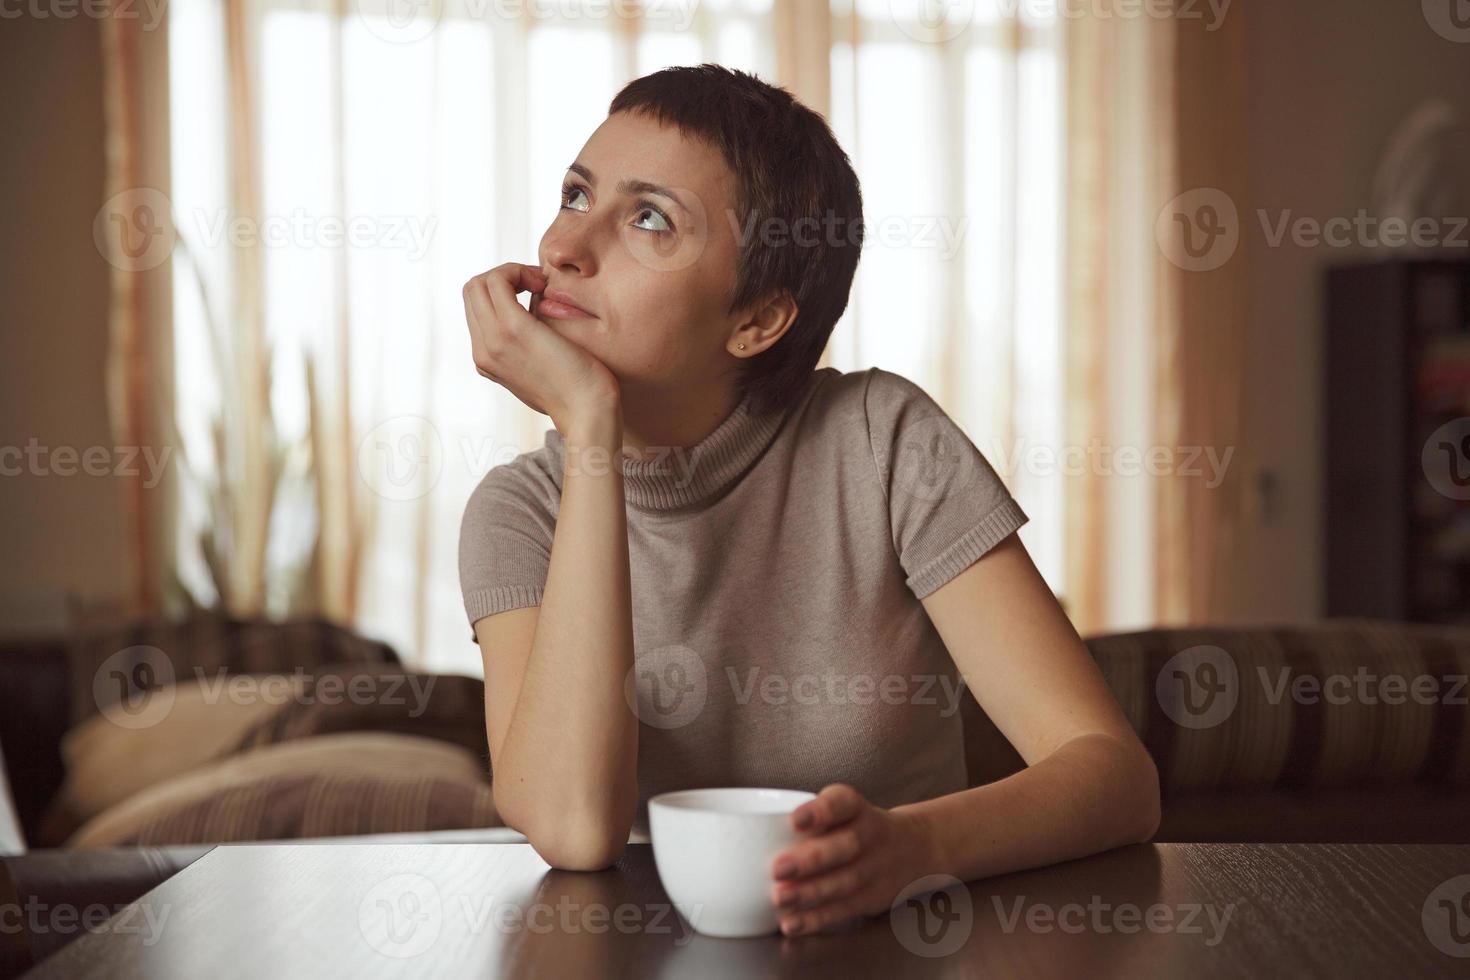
(665, 419)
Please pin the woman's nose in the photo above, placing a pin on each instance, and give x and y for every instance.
(570, 250)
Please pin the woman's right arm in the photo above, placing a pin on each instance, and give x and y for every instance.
(563, 741)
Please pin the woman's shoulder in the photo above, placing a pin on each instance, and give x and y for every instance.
(521, 488)
(872, 398)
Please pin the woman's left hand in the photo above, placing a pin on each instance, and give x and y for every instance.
(855, 860)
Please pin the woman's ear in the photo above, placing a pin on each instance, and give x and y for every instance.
(765, 324)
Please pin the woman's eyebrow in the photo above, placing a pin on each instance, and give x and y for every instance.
(630, 187)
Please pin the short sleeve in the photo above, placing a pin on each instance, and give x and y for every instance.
(505, 541)
(947, 506)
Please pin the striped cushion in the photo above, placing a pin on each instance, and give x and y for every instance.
(212, 644)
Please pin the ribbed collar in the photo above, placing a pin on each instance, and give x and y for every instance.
(680, 478)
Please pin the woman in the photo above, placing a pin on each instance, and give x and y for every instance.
(808, 563)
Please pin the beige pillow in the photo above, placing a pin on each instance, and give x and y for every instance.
(108, 761)
(324, 786)
(12, 841)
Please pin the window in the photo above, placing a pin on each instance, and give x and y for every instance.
(389, 155)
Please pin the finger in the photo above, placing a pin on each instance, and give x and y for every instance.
(810, 920)
(505, 282)
(528, 278)
(835, 804)
(818, 854)
(520, 276)
(477, 315)
(478, 309)
(809, 893)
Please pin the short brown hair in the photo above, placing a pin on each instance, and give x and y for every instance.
(788, 167)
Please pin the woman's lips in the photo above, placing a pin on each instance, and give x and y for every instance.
(559, 309)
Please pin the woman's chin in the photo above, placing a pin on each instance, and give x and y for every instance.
(567, 328)
(583, 333)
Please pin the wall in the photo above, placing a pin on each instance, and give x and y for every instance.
(1329, 82)
(61, 533)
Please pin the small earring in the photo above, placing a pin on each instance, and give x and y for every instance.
(742, 347)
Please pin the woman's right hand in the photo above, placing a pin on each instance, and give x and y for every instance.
(548, 372)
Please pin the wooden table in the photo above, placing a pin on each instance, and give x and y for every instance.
(444, 910)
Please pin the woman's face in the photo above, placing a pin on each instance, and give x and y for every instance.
(643, 243)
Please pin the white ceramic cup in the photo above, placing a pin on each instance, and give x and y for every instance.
(714, 849)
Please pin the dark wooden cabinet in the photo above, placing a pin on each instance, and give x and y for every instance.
(1397, 419)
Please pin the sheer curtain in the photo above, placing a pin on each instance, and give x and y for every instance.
(953, 115)
(338, 169)
(338, 172)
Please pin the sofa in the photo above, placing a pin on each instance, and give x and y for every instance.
(1336, 731)
(1327, 736)
(1341, 730)
(218, 729)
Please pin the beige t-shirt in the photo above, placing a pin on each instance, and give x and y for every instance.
(777, 569)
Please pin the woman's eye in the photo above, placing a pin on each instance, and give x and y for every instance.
(649, 217)
(651, 213)
(567, 193)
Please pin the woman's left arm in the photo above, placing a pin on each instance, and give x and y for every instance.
(1089, 784)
